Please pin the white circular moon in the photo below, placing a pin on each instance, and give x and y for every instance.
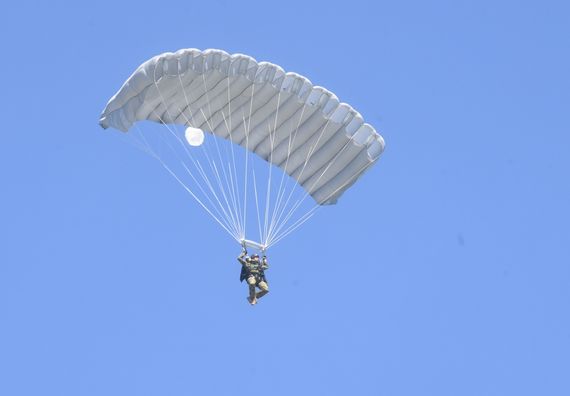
(194, 136)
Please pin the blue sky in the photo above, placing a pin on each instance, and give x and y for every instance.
(444, 271)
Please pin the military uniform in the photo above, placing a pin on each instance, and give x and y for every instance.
(253, 271)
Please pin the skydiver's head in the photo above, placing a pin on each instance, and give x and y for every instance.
(255, 257)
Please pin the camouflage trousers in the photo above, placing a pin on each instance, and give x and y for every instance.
(262, 285)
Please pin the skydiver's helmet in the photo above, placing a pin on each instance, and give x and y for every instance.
(255, 257)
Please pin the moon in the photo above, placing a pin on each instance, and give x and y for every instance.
(194, 136)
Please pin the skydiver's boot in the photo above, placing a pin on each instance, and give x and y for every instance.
(252, 298)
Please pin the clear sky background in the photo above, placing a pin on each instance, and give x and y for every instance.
(444, 271)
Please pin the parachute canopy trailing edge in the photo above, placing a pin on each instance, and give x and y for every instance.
(258, 106)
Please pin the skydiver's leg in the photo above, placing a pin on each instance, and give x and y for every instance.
(264, 289)
(251, 283)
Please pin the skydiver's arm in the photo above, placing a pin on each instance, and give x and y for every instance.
(264, 263)
(243, 257)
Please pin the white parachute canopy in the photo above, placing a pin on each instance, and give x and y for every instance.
(320, 145)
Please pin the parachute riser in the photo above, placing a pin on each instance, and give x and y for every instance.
(246, 243)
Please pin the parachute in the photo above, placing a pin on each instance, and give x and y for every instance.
(211, 102)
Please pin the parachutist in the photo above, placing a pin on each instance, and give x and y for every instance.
(253, 271)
